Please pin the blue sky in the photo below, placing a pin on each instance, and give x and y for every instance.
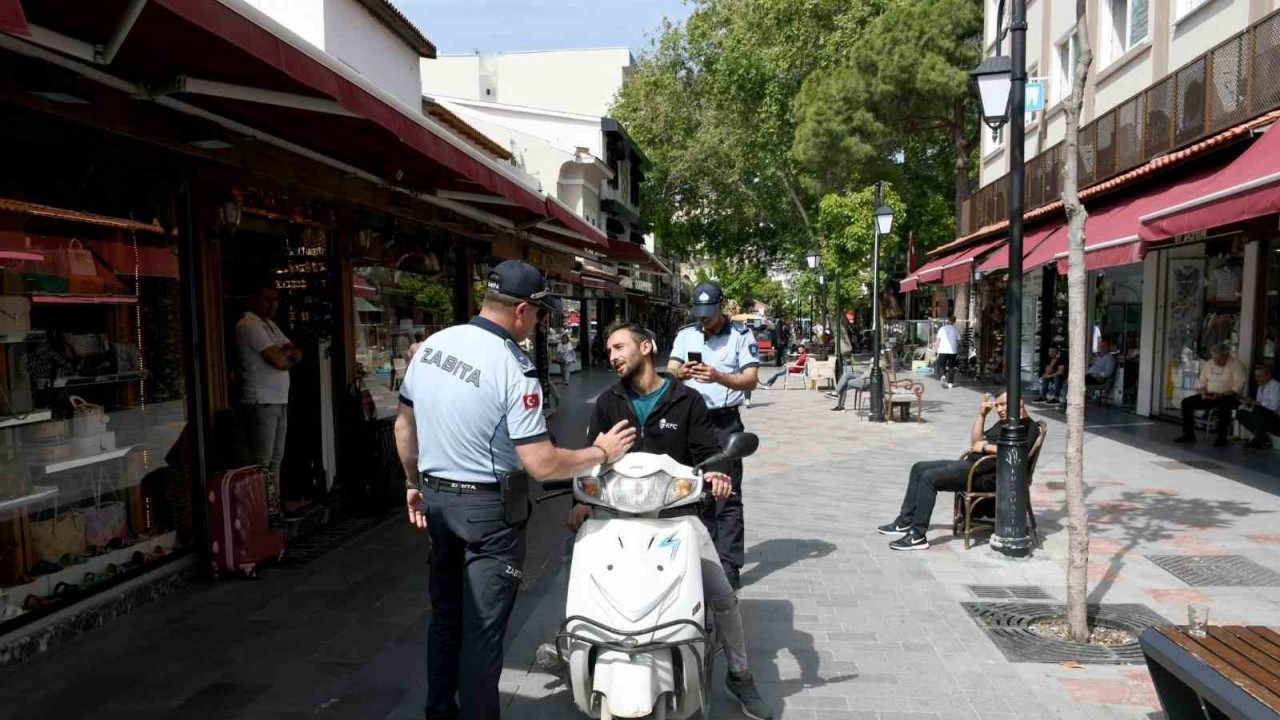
(464, 26)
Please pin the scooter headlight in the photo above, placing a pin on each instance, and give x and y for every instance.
(637, 494)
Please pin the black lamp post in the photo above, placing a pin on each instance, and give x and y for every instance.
(1001, 85)
(813, 259)
(875, 382)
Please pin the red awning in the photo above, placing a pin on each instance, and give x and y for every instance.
(12, 19)
(1246, 188)
(960, 270)
(362, 288)
(243, 67)
(1032, 239)
(627, 251)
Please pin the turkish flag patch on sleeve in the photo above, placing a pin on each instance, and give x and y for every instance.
(532, 400)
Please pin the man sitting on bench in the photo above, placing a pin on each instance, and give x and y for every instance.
(1221, 381)
(1103, 367)
(930, 477)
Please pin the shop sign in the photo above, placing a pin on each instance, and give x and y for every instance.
(1191, 237)
(560, 288)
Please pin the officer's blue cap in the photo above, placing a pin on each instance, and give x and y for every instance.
(706, 300)
(519, 279)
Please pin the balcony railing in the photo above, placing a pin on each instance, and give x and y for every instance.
(1237, 80)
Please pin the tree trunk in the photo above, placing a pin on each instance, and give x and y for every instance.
(960, 146)
(1077, 300)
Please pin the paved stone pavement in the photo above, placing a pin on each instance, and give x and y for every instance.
(839, 625)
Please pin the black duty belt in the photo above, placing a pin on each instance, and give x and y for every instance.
(719, 412)
(442, 485)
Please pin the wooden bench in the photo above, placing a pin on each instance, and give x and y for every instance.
(1234, 672)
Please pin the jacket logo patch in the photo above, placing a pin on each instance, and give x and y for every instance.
(532, 400)
(664, 424)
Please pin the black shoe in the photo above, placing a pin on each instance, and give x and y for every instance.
(838, 408)
(1185, 438)
(1220, 442)
(743, 689)
(911, 541)
(735, 581)
(894, 528)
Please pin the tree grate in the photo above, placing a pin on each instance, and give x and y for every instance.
(1009, 592)
(1008, 626)
(1217, 570)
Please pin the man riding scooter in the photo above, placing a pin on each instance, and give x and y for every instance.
(672, 420)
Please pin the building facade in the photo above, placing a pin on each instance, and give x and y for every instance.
(1176, 124)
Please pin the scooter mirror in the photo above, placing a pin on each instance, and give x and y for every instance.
(740, 445)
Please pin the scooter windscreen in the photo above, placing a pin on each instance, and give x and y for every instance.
(639, 483)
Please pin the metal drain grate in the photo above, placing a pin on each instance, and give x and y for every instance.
(1187, 464)
(1007, 624)
(1009, 592)
(1209, 570)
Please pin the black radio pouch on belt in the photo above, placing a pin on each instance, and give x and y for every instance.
(514, 489)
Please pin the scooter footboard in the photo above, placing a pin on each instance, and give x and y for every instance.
(633, 684)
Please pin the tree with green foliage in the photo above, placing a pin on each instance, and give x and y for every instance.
(848, 224)
(904, 87)
(753, 111)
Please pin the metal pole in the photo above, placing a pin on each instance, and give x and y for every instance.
(839, 322)
(1011, 538)
(875, 383)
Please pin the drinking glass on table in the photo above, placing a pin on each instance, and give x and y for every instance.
(1197, 620)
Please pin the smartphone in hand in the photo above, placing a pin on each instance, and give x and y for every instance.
(695, 357)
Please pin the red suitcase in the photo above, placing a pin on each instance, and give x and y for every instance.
(240, 533)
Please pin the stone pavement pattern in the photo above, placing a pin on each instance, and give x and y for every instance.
(839, 625)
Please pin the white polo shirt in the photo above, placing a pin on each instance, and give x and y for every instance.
(264, 383)
(731, 351)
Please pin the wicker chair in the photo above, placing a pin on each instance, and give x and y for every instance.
(969, 498)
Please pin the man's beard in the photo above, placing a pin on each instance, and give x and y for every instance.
(628, 374)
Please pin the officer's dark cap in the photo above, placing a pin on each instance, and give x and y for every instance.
(706, 300)
(519, 279)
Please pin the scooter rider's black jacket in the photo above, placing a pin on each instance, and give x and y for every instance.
(679, 425)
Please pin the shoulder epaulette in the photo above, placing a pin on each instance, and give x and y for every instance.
(690, 325)
(526, 365)
(739, 327)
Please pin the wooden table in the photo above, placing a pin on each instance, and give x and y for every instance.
(1232, 673)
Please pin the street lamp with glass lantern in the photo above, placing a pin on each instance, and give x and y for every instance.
(875, 382)
(1001, 83)
(814, 259)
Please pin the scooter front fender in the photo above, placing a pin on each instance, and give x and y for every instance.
(634, 684)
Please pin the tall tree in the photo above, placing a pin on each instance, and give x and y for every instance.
(1077, 309)
(905, 85)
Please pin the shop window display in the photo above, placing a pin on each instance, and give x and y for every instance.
(93, 482)
(397, 306)
(1202, 306)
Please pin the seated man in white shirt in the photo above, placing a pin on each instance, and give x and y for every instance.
(1261, 414)
(1103, 366)
(1222, 379)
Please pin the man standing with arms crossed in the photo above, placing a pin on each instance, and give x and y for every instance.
(719, 359)
(470, 434)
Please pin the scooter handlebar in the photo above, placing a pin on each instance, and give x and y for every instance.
(552, 485)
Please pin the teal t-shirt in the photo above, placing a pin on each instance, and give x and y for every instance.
(644, 404)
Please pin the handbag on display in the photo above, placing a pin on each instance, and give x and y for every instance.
(105, 521)
(87, 420)
(60, 535)
(75, 259)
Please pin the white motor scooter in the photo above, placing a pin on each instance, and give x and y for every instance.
(637, 638)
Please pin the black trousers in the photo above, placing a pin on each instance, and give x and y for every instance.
(1261, 421)
(946, 365)
(477, 562)
(730, 533)
(1224, 405)
(930, 477)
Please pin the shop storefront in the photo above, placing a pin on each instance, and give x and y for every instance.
(96, 461)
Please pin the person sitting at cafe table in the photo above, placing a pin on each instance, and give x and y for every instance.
(1261, 413)
(1221, 381)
